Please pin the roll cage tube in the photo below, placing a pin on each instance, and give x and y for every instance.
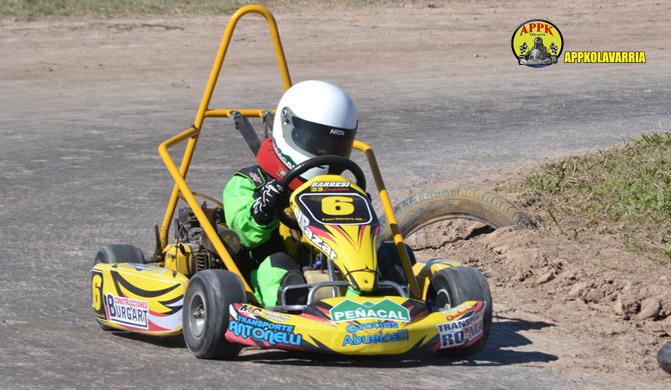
(191, 137)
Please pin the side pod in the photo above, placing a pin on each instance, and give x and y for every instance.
(138, 298)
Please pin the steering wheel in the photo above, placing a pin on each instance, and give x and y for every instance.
(337, 165)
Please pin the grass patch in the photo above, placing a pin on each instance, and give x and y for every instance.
(31, 9)
(35, 9)
(626, 190)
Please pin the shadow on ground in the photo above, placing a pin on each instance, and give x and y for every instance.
(505, 335)
(166, 342)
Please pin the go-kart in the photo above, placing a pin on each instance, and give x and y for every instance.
(198, 285)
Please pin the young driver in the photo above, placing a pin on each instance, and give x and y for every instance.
(313, 118)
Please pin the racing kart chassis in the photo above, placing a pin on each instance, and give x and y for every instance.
(152, 297)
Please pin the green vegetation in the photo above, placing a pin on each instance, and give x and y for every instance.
(625, 190)
(34, 9)
(29, 9)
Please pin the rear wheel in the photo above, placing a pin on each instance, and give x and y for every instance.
(119, 253)
(205, 315)
(460, 202)
(115, 254)
(453, 286)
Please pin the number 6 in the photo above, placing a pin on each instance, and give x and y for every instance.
(337, 205)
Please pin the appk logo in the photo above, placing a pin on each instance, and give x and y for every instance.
(537, 43)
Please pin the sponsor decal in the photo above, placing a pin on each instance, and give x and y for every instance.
(459, 332)
(400, 335)
(253, 310)
(127, 311)
(255, 177)
(538, 43)
(304, 223)
(348, 310)
(458, 312)
(275, 316)
(607, 57)
(334, 184)
(271, 315)
(368, 326)
(337, 132)
(288, 161)
(264, 331)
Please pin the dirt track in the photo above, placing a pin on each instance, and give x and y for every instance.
(85, 103)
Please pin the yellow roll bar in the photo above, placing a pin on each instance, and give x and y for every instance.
(192, 134)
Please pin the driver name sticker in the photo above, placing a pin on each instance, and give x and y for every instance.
(128, 311)
(331, 184)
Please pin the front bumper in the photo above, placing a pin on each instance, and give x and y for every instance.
(358, 326)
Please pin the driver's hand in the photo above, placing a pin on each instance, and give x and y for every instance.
(268, 203)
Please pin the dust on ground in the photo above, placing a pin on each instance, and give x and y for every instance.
(603, 306)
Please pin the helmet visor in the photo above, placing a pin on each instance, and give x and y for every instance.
(315, 138)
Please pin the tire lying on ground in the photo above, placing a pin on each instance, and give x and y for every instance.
(451, 287)
(115, 254)
(664, 357)
(459, 202)
(205, 313)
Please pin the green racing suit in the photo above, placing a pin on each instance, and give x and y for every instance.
(239, 194)
(275, 268)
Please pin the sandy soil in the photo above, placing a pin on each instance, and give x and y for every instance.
(85, 102)
(604, 307)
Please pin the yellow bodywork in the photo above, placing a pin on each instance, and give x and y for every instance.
(178, 258)
(139, 298)
(358, 326)
(352, 247)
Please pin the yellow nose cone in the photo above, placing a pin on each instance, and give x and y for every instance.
(365, 280)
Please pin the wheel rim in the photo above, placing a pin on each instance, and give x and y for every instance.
(197, 315)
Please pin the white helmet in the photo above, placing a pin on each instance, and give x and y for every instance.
(313, 118)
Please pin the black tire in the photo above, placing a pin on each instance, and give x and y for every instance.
(114, 254)
(664, 357)
(464, 202)
(205, 313)
(119, 253)
(454, 286)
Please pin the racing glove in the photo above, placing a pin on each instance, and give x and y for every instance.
(267, 204)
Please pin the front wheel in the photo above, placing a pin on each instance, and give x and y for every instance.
(206, 314)
(453, 286)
